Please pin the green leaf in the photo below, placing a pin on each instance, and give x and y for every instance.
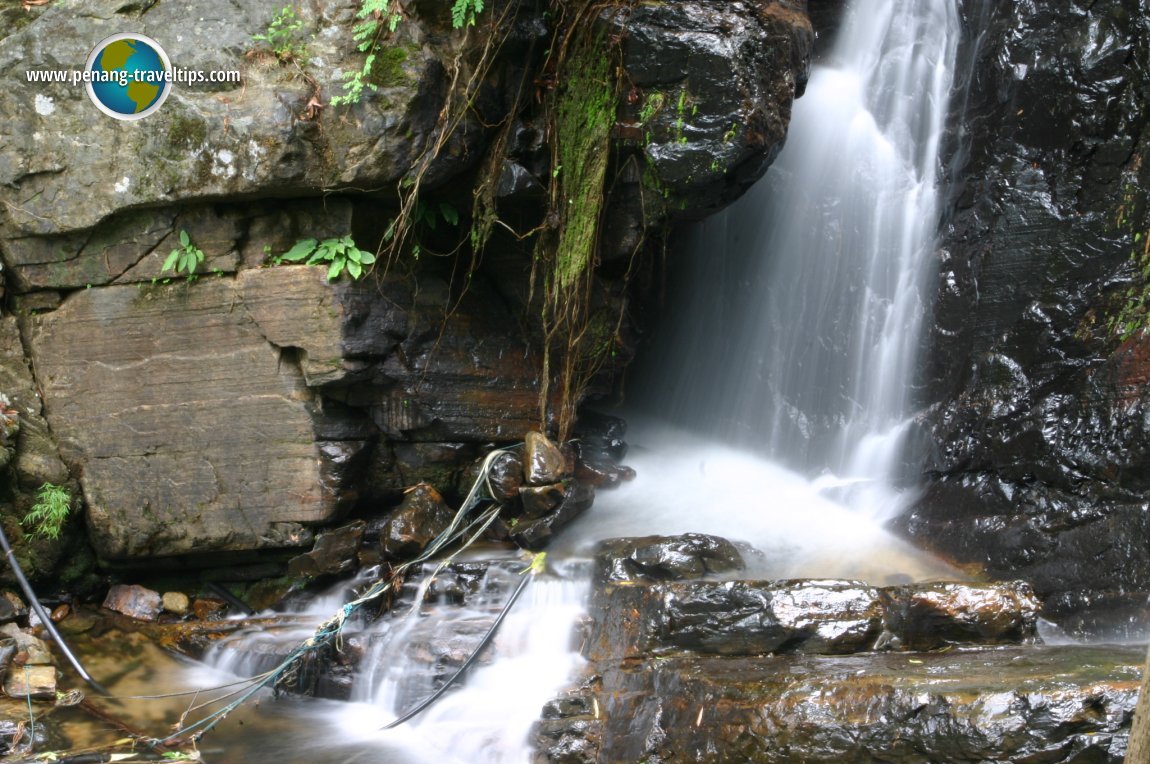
(354, 268)
(184, 238)
(450, 214)
(366, 258)
(301, 250)
(171, 261)
(334, 271)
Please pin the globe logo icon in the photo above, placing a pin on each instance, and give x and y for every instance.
(128, 76)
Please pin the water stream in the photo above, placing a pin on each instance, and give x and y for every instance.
(782, 394)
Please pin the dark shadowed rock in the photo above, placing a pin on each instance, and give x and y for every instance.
(665, 558)
(421, 517)
(335, 552)
(537, 501)
(712, 83)
(535, 535)
(1038, 432)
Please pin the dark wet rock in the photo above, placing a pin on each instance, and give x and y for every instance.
(535, 535)
(602, 472)
(134, 601)
(712, 83)
(926, 616)
(506, 476)
(665, 558)
(543, 461)
(569, 731)
(597, 433)
(335, 552)
(421, 517)
(630, 619)
(1038, 434)
(537, 501)
(1048, 705)
(209, 608)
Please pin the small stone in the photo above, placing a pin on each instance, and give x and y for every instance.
(12, 608)
(602, 472)
(134, 601)
(505, 476)
(36, 682)
(543, 461)
(30, 649)
(209, 608)
(176, 602)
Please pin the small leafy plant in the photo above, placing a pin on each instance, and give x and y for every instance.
(375, 17)
(283, 35)
(185, 258)
(340, 254)
(47, 516)
(464, 12)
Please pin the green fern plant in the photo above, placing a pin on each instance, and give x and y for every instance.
(376, 16)
(283, 35)
(339, 254)
(47, 516)
(464, 12)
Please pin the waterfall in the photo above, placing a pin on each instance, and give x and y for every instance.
(794, 349)
(799, 324)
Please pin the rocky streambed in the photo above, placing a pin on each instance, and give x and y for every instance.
(683, 663)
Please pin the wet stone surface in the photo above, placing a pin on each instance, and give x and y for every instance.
(665, 558)
(1049, 705)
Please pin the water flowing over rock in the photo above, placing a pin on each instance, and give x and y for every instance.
(704, 670)
(1038, 432)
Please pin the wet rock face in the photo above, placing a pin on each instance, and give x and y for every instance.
(697, 670)
(1057, 705)
(421, 517)
(712, 82)
(1039, 425)
(829, 617)
(665, 558)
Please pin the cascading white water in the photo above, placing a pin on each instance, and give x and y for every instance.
(796, 342)
(805, 352)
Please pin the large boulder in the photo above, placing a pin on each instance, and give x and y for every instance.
(257, 137)
(1040, 427)
(711, 83)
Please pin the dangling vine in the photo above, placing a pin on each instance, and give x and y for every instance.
(582, 113)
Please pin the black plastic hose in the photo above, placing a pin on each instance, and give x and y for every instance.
(426, 702)
(45, 618)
